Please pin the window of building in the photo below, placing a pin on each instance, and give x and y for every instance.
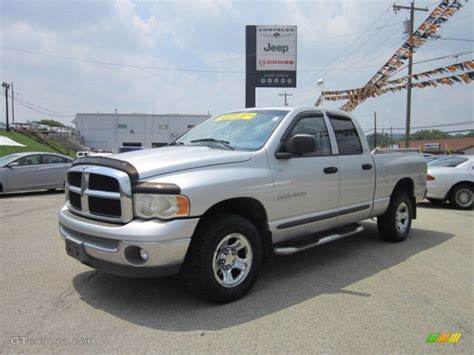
(190, 126)
(163, 126)
(315, 126)
(131, 144)
(157, 145)
(122, 126)
(347, 138)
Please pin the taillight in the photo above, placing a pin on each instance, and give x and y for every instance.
(429, 178)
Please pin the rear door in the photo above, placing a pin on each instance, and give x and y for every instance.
(356, 171)
(54, 170)
(26, 175)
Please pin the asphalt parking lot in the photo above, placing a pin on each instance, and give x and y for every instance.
(357, 295)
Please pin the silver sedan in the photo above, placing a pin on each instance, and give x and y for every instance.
(451, 178)
(33, 171)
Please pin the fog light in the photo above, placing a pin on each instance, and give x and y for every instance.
(143, 255)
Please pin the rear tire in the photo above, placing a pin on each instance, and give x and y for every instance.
(460, 197)
(224, 258)
(395, 224)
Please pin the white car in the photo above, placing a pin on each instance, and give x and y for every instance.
(83, 154)
(451, 178)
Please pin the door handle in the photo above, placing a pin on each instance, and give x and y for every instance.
(366, 166)
(330, 170)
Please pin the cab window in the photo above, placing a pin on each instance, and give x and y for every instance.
(347, 138)
(315, 126)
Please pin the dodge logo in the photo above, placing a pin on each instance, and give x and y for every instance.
(261, 62)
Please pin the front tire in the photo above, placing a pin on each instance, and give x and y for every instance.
(461, 197)
(224, 258)
(395, 224)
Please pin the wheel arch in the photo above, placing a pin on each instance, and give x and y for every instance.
(467, 182)
(247, 207)
(408, 186)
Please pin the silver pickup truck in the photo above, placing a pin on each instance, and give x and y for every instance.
(232, 192)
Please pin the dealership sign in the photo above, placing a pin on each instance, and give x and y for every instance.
(276, 56)
(270, 59)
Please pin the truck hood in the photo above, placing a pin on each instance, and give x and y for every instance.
(164, 160)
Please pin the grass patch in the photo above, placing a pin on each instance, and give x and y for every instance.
(30, 145)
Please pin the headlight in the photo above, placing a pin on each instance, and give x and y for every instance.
(149, 206)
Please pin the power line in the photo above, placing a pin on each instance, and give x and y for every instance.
(425, 127)
(375, 48)
(44, 112)
(370, 52)
(93, 61)
(366, 41)
(455, 39)
(454, 55)
(350, 44)
(17, 99)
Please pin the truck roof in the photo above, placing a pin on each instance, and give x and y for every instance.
(297, 109)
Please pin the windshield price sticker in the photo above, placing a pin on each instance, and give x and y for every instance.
(236, 116)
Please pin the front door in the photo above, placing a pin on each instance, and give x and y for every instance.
(26, 175)
(306, 188)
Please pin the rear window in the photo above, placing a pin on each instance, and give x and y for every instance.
(448, 162)
(347, 138)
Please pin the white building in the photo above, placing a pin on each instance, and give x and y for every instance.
(109, 131)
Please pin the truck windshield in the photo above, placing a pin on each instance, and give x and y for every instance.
(244, 130)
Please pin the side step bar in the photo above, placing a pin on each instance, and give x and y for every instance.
(329, 236)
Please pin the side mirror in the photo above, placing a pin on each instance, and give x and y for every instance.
(297, 145)
(14, 164)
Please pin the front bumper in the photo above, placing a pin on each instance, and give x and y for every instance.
(106, 246)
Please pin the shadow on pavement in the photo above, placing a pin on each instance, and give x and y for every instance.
(165, 303)
(436, 206)
(31, 193)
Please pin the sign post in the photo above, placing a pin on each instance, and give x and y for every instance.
(270, 59)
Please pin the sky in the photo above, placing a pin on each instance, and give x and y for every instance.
(189, 57)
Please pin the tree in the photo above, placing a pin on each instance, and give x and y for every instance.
(52, 123)
(429, 134)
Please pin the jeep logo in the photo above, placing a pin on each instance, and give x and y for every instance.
(274, 48)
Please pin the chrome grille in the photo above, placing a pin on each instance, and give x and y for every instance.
(100, 193)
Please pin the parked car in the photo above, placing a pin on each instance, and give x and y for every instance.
(128, 149)
(82, 154)
(33, 171)
(451, 179)
(232, 190)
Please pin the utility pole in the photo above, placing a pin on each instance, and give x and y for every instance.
(391, 138)
(6, 86)
(13, 104)
(375, 130)
(412, 9)
(285, 94)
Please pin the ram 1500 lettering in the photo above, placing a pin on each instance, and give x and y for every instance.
(233, 190)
